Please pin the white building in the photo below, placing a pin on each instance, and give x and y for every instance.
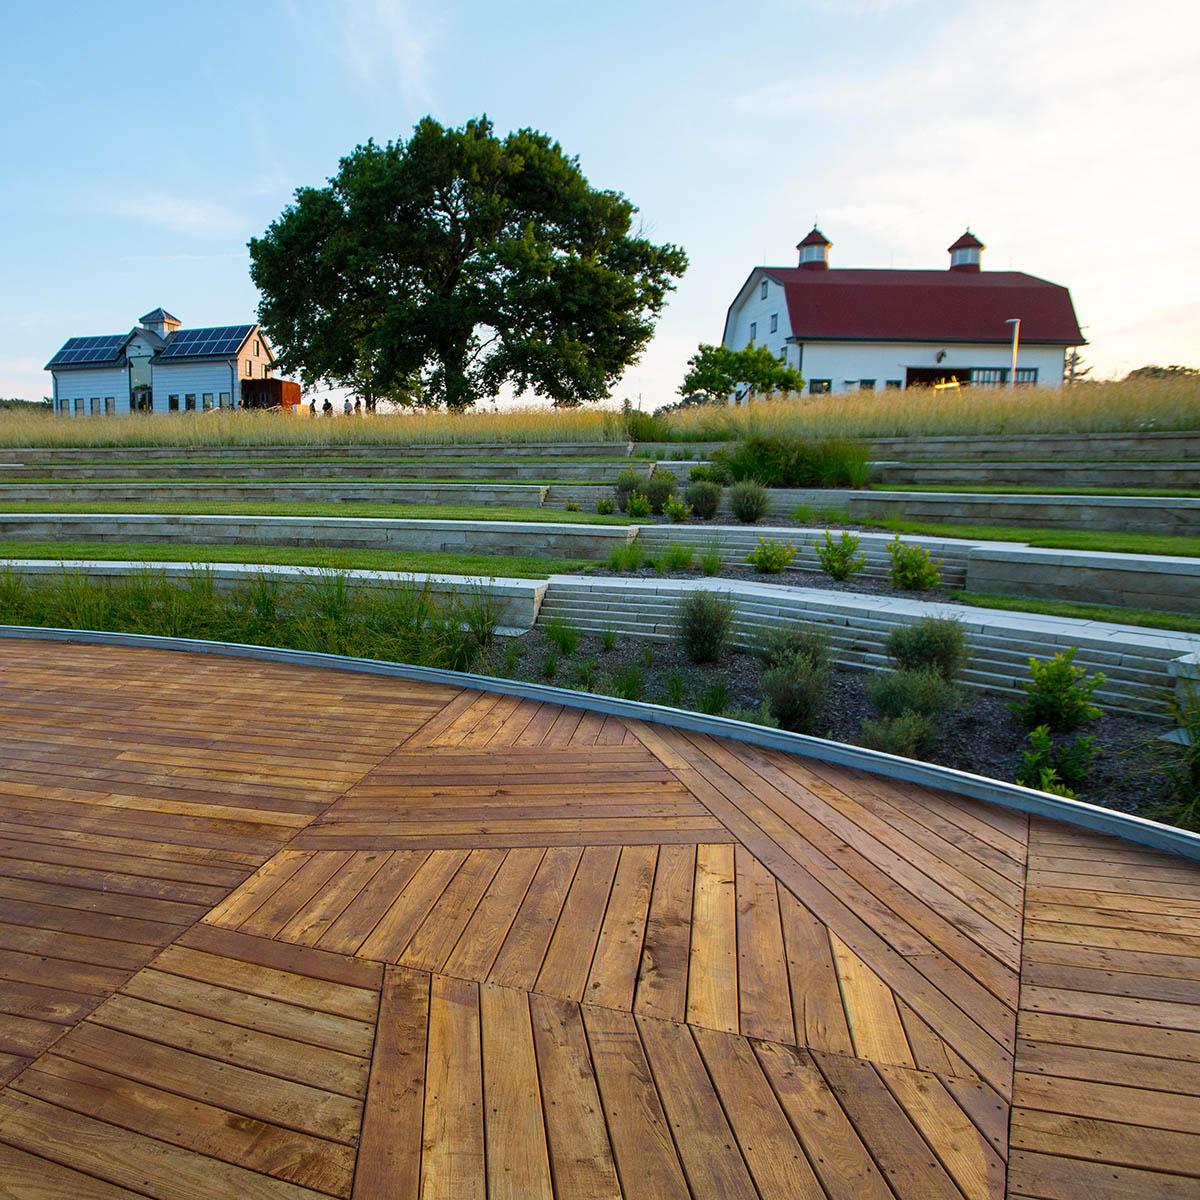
(867, 330)
(158, 367)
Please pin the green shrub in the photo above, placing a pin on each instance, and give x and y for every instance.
(628, 684)
(780, 646)
(710, 560)
(937, 642)
(753, 716)
(705, 623)
(608, 641)
(705, 498)
(913, 569)
(628, 557)
(910, 735)
(793, 462)
(1059, 768)
(716, 473)
(749, 501)
(657, 490)
(1182, 766)
(605, 506)
(923, 691)
(675, 557)
(674, 687)
(714, 700)
(645, 427)
(840, 559)
(561, 635)
(637, 506)
(571, 506)
(1059, 694)
(627, 482)
(771, 557)
(676, 509)
(795, 692)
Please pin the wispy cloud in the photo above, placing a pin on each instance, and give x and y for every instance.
(388, 44)
(179, 213)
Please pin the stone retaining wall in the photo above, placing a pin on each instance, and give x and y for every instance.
(1114, 474)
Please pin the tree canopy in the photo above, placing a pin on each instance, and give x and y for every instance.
(717, 372)
(436, 270)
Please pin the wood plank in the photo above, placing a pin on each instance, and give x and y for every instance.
(712, 966)
(613, 977)
(764, 991)
(875, 1025)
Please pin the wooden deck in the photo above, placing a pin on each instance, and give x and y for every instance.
(269, 931)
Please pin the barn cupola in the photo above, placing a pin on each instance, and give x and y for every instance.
(964, 254)
(160, 321)
(814, 251)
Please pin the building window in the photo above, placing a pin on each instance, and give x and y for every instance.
(988, 376)
(208, 401)
(1026, 376)
(173, 403)
(783, 354)
(78, 405)
(265, 370)
(110, 404)
(249, 369)
(893, 385)
(763, 291)
(189, 401)
(866, 385)
(774, 322)
(753, 330)
(257, 348)
(223, 400)
(95, 406)
(820, 387)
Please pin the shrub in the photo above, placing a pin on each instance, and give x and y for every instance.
(676, 509)
(705, 498)
(710, 560)
(628, 557)
(565, 637)
(605, 506)
(795, 692)
(911, 735)
(841, 559)
(657, 490)
(923, 691)
(781, 646)
(913, 568)
(1182, 768)
(793, 462)
(571, 506)
(637, 505)
(626, 484)
(771, 557)
(1059, 694)
(675, 557)
(645, 427)
(608, 641)
(753, 716)
(705, 622)
(586, 673)
(674, 686)
(716, 473)
(749, 501)
(628, 684)
(937, 642)
(1058, 768)
(714, 700)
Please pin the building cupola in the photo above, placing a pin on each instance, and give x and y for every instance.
(814, 251)
(964, 254)
(160, 322)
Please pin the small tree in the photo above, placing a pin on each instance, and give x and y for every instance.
(718, 372)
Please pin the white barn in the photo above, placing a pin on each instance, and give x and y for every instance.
(158, 367)
(849, 330)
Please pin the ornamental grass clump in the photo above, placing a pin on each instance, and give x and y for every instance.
(657, 489)
(705, 624)
(840, 559)
(705, 498)
(748, 501)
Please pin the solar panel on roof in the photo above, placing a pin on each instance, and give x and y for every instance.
(103, 348)
(206, 343)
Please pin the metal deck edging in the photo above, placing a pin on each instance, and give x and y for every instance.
(978, 787)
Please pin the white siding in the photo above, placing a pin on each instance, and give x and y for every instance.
(101, 382)
(194, 377)
(751, 308)
(852, 361)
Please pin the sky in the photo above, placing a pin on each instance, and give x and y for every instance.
(142, 146)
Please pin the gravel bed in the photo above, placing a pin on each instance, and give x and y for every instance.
(983, 736)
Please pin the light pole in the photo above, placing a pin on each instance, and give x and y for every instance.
(1015, 322)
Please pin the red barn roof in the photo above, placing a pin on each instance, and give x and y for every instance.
(925, 306)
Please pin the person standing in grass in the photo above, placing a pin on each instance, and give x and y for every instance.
(357, 407)
(312, 407)
(327, 407)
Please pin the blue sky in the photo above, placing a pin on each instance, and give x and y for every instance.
(142, 146)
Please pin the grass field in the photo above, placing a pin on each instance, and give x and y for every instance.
(1056, 539)
(1182, 622)
(332, 557)
(398, 512)
(1086, 407)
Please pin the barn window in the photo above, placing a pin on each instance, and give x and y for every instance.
(820, 387)
(79, 404)
(866, 385)
(208, 401)
(189, 401)
(249, 369)
(774, 322)
(173, 403)
(110, 404)
(753, 330)
(763, 292)
(892, 385)
(223, 400)
(1026, 375)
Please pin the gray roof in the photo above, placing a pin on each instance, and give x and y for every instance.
(159, 314)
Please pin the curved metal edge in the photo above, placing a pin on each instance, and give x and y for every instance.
(890, 766)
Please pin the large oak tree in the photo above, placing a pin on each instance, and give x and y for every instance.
(436, 270)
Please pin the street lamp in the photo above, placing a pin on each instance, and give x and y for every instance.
(1015, 322)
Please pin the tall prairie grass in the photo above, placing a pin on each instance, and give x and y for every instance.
(1150, 404)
